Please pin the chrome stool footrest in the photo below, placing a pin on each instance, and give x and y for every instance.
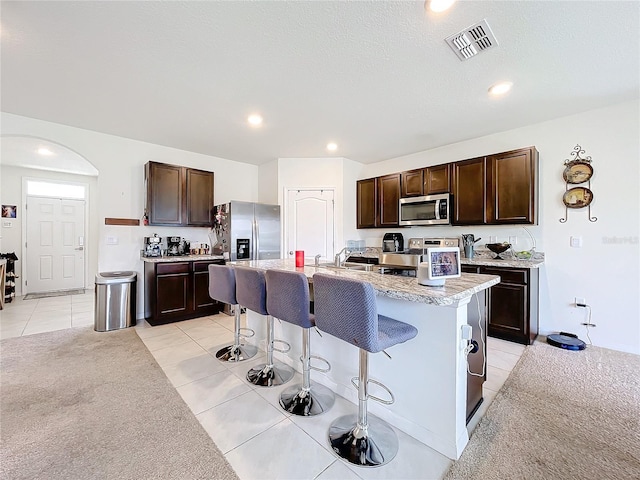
(236, 353)
(247, 335)
(318, 369)
(282, 350)
(371, 446)
(307, 402)
(355, 383)
(270, 375)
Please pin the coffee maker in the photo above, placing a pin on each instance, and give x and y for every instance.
(173, 246)
(152, 246)
(393, 242)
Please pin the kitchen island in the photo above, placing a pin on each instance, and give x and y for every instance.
(427, 374)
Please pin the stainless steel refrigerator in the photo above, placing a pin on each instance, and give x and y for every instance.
(246, 231)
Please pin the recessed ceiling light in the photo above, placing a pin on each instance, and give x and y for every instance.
(45, 151)
(255, 119)
(500, 88)
(439, 5)
(332, 147)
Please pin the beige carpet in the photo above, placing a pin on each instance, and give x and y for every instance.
(561, 414)
(78, 404)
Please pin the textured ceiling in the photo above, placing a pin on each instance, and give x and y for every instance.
(375, 77)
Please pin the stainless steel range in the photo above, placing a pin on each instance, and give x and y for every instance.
(420, 245)
(406, 264)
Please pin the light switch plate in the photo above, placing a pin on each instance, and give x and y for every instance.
(112, 240)
(7, 223)
(576, 242)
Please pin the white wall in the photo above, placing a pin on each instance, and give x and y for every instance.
(11, 194)
(268, 183)
(120, 186)
(606, 270)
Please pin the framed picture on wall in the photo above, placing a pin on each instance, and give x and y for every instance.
(9, 211)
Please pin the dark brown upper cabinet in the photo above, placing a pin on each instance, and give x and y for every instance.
(411, 183)
(437, 179)
(496, 189)
(513, 186)
(389, 200)
(470, 192)
(199, 197)
(377, 201)
(178, 196)
(164, 193)
(366, 203)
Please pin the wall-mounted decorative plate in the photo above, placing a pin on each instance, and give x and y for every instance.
(577, 197)
(577, 172)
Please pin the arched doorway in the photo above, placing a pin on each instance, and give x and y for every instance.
(43, 178)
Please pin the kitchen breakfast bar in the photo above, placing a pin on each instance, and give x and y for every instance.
(428, 374)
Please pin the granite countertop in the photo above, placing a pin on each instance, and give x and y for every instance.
(486, 258)
(401, 288)
(181, 258)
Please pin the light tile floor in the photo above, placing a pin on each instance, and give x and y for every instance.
(258, 438)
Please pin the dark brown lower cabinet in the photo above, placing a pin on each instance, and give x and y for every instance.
(175, 291)
(512, 306)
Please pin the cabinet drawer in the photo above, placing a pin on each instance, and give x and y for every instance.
(165, 268)
(204, 266)
(508, 275)
(470, 269)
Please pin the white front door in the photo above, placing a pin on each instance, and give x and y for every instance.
(54, 244)
(310, 223)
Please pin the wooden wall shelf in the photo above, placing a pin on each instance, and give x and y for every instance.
(131, 222)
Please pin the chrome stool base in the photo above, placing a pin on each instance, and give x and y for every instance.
(309, 402)
(372, 446)
(270, 375)
(236, 353)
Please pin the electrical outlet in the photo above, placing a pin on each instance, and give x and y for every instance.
(580, 301)
(513, 240)
(576, 242)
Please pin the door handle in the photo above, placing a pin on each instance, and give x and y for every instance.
(79, 248)
(290, 252)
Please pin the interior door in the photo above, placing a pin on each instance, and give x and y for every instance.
(310, 223)
(54, 244)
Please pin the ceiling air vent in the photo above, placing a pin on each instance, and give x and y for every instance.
(472, 40)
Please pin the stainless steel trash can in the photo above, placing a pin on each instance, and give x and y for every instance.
(115, 301)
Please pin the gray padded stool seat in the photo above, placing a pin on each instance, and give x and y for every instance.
(222, 287)
(288, 300)
(251, 291)
(346, 309)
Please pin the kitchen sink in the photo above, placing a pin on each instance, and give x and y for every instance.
(345, 266)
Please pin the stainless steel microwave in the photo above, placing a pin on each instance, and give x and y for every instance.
(426, 210)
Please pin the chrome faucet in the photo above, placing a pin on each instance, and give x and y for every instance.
(337, 261)
(317, 259)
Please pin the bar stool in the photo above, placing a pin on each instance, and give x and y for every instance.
(252, 294)
(346, 309)
(222, 287)
(288, 300)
